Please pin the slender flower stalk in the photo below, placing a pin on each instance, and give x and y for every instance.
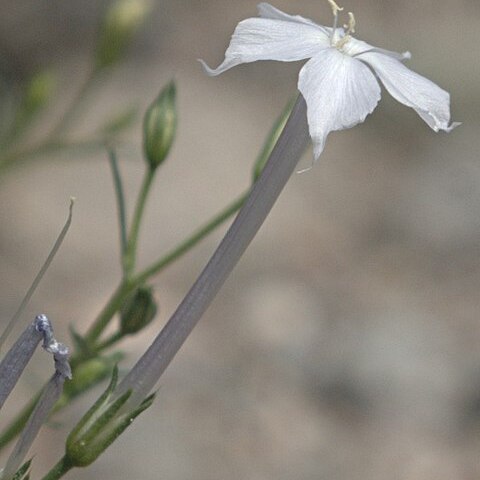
(282, 162)
(129, 257)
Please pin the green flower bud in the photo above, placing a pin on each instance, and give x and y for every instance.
(101, 425)
(120, 24)
(159, 126)
(138, 311)
(87, 374)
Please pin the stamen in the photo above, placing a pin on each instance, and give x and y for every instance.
(335, 10)
(350, 29)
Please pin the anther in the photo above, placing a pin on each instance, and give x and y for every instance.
(335, 7)
(351, 24)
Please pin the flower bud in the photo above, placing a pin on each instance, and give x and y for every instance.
(159, 126)
(138, 311)
(101, 425)
(121, 22)
(86, 375)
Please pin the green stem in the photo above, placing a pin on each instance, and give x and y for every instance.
(44, 148)
(128, 285)
(191, 241)
(59, 470)
(110, 309)
(131, 249)
(72, 110)
(120, 196)
(117, 336)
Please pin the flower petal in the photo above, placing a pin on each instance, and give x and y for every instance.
(284, 40)
(265, 10)
(355, 47)
(430, 101)
(340, 92)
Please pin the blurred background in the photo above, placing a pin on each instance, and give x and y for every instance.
(345, 345)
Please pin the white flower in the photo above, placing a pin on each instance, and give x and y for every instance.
(339, 81)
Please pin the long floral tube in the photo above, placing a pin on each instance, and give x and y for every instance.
(16, 360)
(49, 397)
(281, 164)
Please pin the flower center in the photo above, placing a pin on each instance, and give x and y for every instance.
(335, 40)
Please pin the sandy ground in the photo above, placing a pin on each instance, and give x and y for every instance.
(345, 344)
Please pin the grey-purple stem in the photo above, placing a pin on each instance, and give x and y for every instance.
(281, 164)
(10, 370)
(50, 394)
(16, 360)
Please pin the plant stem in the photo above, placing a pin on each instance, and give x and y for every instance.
(127, 286)
(131, 249)
(73, 108)
(191, 241)
(14, 428)
(43, 148)
(116, 337)
(38, 277)
(282, 162)
(59, 470)
(120, 196)
(110, 309)
(50, 394)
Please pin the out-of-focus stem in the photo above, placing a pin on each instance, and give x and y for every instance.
(17, 157)
(282, 162)
(72, 110)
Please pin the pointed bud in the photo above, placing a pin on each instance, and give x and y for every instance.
(159, 126)
(101, 425)
(138, 311)
(120, 24)
(86, 375)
